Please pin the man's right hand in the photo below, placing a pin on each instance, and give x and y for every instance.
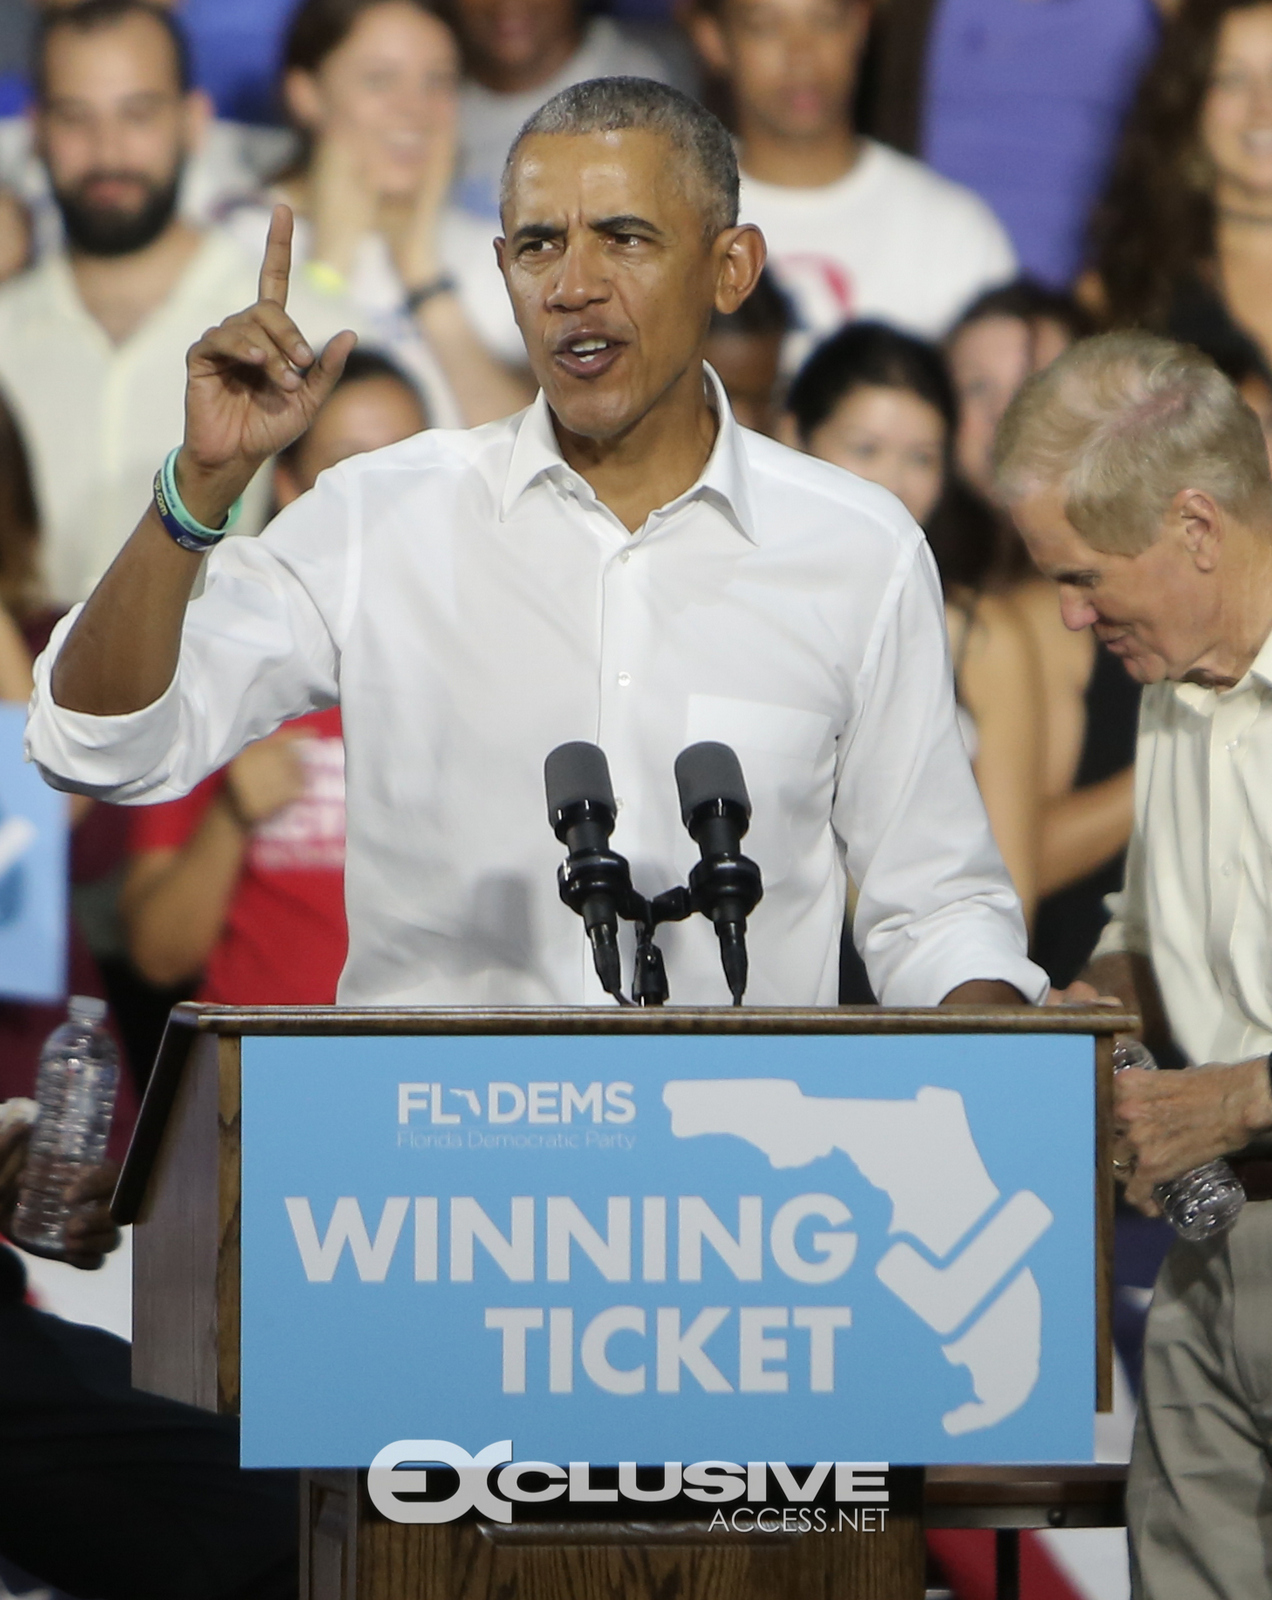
(253, 386)
(1168, 1123)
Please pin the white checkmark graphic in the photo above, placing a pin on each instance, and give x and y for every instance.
(944, 1296)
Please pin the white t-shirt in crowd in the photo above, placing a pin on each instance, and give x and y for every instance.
(891, 240)
(98, 418)
(489, 122)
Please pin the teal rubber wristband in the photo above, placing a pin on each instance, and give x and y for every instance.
(186, 530)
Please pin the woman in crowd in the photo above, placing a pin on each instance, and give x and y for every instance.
(1004, 335)
(881, 404)
(1090, 704)
(372, 87)
(1182, 242)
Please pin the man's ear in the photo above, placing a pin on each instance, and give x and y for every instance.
(199, 113)
(708, 40)
(740, 256)
(1202, 527)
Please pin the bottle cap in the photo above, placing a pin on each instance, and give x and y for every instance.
(86, 1008)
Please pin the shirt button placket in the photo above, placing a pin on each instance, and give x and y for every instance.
(620, 667)
(617, 645)
(1223, 845)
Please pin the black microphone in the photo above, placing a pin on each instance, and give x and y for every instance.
(725, 884)
(593, 880)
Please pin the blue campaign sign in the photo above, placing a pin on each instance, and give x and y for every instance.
(615, 1248)
(33, 846)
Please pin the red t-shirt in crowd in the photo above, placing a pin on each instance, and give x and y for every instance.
(284, 938)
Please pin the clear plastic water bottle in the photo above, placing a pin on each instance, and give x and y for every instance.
(1202, 1203)
(79, 1074)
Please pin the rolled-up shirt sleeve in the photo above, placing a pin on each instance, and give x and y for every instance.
(935, 905)
(259, 646)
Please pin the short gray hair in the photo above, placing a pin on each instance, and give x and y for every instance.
(1119, 425)
(614, 105)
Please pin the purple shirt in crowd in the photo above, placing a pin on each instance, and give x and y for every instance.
(1023, 103)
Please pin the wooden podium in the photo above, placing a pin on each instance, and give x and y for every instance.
(181, 1187)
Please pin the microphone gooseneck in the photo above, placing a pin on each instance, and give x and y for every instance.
(594, 881)
(725, 885)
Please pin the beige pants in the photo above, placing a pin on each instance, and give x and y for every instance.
(1199, 1502)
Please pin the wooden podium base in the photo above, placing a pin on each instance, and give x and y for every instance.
(349, 1552)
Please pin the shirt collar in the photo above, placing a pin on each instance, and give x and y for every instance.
(724, 480)
(1257, 677)
(1261, 666)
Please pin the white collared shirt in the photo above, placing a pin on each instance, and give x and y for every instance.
(1198, 894)
(472, 605)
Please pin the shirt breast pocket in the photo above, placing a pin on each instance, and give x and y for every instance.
(787, 732)
(787, 756)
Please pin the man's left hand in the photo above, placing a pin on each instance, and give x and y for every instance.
(985, 992)
(1170, 1122)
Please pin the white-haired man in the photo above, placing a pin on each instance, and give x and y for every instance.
(1140, 481)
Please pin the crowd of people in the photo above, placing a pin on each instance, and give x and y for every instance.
(890, 329)
(952, 194)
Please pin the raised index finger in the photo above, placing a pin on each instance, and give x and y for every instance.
(276, 267)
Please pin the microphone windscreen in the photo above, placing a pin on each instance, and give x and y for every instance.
(707, 772)
(575, 772)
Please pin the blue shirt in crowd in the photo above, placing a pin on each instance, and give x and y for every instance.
(1024, 101)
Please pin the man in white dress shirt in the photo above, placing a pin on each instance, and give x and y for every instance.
(1139, 479)
(621, 563)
